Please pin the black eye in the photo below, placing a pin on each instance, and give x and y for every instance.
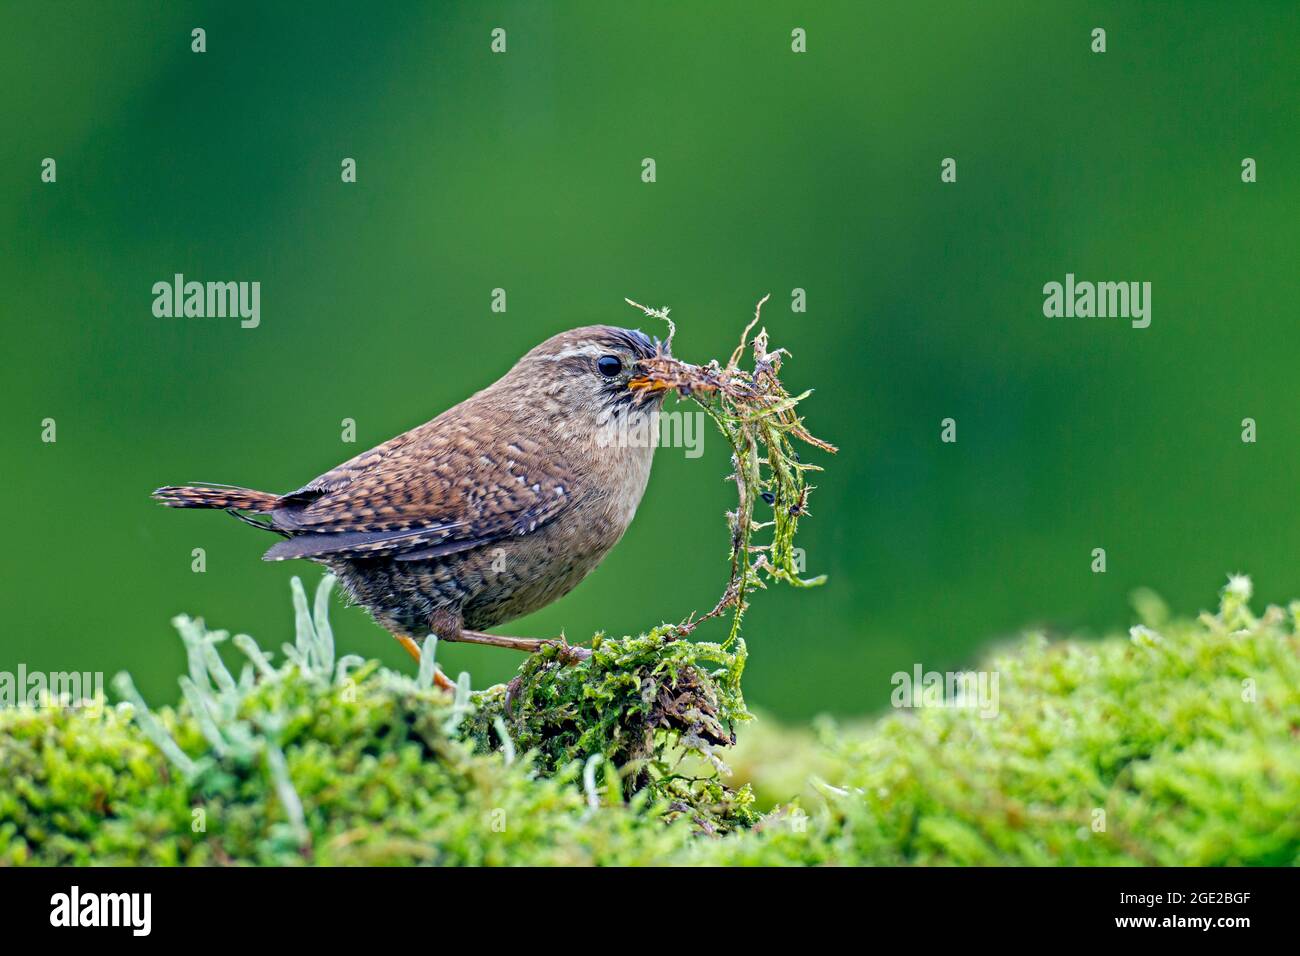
(608, 366)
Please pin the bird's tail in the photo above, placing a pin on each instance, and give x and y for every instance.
(226, 497)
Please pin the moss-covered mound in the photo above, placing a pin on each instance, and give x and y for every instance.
(1176, 744)
(641, 705)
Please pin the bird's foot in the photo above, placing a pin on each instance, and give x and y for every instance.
(439, 678)
(566, 652)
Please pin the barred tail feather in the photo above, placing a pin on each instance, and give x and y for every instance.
(209, 496)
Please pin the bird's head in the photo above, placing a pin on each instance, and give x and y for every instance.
(592, 373)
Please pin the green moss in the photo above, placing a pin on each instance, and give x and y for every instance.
(641, 705)
(1176, 744)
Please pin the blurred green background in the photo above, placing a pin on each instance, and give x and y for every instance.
(775, 171)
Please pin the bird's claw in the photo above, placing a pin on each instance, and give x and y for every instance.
(568, 653)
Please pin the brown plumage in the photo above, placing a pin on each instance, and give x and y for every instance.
(495, 508)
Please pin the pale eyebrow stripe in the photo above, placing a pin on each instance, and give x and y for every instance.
(585, 350)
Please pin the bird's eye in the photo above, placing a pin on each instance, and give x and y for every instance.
(609, 366)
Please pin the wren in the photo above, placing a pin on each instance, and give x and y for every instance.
(492, 510)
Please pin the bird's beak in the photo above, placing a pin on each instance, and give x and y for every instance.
(646, 384)
(643, 383)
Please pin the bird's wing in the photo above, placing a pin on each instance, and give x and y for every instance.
(435, 490)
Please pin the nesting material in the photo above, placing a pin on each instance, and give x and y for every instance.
(759, 419)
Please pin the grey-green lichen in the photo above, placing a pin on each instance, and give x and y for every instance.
(1173, 744)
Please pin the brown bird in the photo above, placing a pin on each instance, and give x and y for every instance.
(494, 509)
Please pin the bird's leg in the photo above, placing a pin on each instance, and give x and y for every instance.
(412, 648)
(529, 645)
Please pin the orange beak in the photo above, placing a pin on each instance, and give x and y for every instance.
(644, 383)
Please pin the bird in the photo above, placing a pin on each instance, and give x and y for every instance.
(495, 508)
